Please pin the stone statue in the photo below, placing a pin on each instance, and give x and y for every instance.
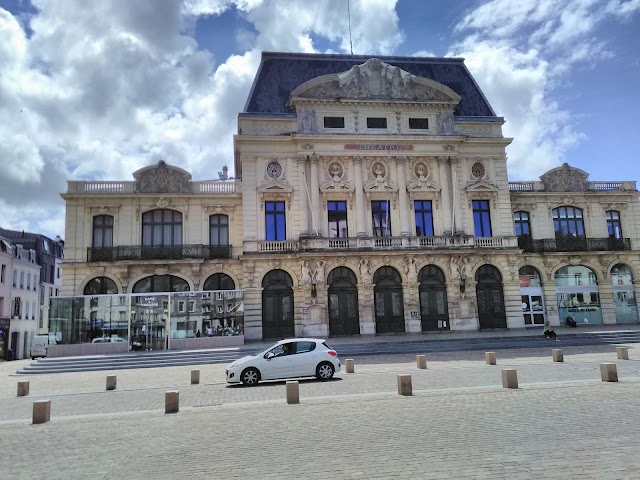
(446, 123)
(365, 270)
(306, 272)
(307, 120)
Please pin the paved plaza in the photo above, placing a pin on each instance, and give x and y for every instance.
(563, 422)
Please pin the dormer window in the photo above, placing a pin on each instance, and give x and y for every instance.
(376, 122)
(333, 122)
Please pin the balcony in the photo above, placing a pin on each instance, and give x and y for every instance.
(574, 244)
(408, 243)
(158, 252)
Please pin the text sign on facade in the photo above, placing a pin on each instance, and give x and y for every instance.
(376, 146)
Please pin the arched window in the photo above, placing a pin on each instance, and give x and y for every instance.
(219, 281)
(529, 277)
(161, 283)
(161, 227)
(613, 224)
(101, 286)
(568, 222)
(218, 230)
(102, 231)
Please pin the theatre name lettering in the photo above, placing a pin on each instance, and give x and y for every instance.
(376, 146)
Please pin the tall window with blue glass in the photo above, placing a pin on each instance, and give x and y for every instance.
(481, 218)
(424, 218)
(275, 221)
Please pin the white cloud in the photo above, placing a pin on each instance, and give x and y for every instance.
(519, 52)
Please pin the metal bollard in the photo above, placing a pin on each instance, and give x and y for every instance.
(421, 362)
(293, 392)
(623, 353)
(41, 411)
(608, 372)
(404, 385)
(557, 355)
(490, 358)
(195, 377)
(172, 401)
(111, 382)
(509, 378)
(23, 389)
(348, 365)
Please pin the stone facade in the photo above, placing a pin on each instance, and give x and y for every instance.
(372, 206)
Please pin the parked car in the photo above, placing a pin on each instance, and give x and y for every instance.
(108, 340)
(291, 358)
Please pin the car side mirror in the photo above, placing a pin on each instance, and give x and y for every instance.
(269, 355)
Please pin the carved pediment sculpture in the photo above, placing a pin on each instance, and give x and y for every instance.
(481, 186)
(379, 176)
(162, 178)
(335, 177)
(565, 179)
(376, 80)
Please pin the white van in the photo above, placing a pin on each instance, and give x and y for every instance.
(39, 346)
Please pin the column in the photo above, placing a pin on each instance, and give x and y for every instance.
(315, 197)
(403, 197)
(445, 193)
(455, 196)
(361, 230)
(303, 203)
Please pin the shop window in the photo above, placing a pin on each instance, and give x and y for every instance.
(568, 222)
(161, 283)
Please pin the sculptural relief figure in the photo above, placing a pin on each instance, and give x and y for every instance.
(410, 268)
(446, 123)
(307, 120)
(336, 171)
(306, 272)
(365, 270)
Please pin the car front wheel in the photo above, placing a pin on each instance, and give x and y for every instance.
(250, 376)
(325, 371)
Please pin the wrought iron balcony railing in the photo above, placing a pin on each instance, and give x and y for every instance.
(157, 252)
(572, 244)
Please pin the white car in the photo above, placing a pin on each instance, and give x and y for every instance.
(108, 340)
(291, 358)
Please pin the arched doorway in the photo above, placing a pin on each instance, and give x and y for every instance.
(389, 305)
(531, 296)
(277, 305)
(490, 296)
(624, 295)
(219, 281)
(434, 313)
(578, 294)
(343, 302)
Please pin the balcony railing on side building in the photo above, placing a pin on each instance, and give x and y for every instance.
(157, 252)
(571, 244)
(538, 186)
(115, 188)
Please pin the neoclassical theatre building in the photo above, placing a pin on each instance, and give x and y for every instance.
(371, 196)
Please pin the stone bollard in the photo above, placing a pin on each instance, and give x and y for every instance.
(348, 365)
(41, 411)
(490, 358)
(421, 362)
(404, 385)
(111, 382)
(557, 355)
(195, 377)
(172, 401)
(293, 391)
(23, 389)
(509, 378)
(608, 372)
(623, 353)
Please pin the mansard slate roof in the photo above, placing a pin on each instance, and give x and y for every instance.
(280, 73)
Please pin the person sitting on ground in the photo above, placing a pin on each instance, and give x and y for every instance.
(548, 331)
(571, 322)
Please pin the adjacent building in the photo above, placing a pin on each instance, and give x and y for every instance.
(371, 197)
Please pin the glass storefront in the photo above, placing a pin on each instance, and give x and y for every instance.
(624, 294)
(531, 296)
(578, 295)
(146, 321)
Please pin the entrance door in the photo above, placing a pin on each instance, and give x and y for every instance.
(388, 300)
(277, 305)
(532, 305)
(14, 345)
(434, 313)
(343, 302)
(149, 322)
(491, 311)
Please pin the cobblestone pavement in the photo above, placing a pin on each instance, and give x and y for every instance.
(562, 423)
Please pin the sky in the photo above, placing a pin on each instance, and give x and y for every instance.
(94, 90)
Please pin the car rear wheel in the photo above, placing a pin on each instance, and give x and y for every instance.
(325, 371)
(250, 376)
